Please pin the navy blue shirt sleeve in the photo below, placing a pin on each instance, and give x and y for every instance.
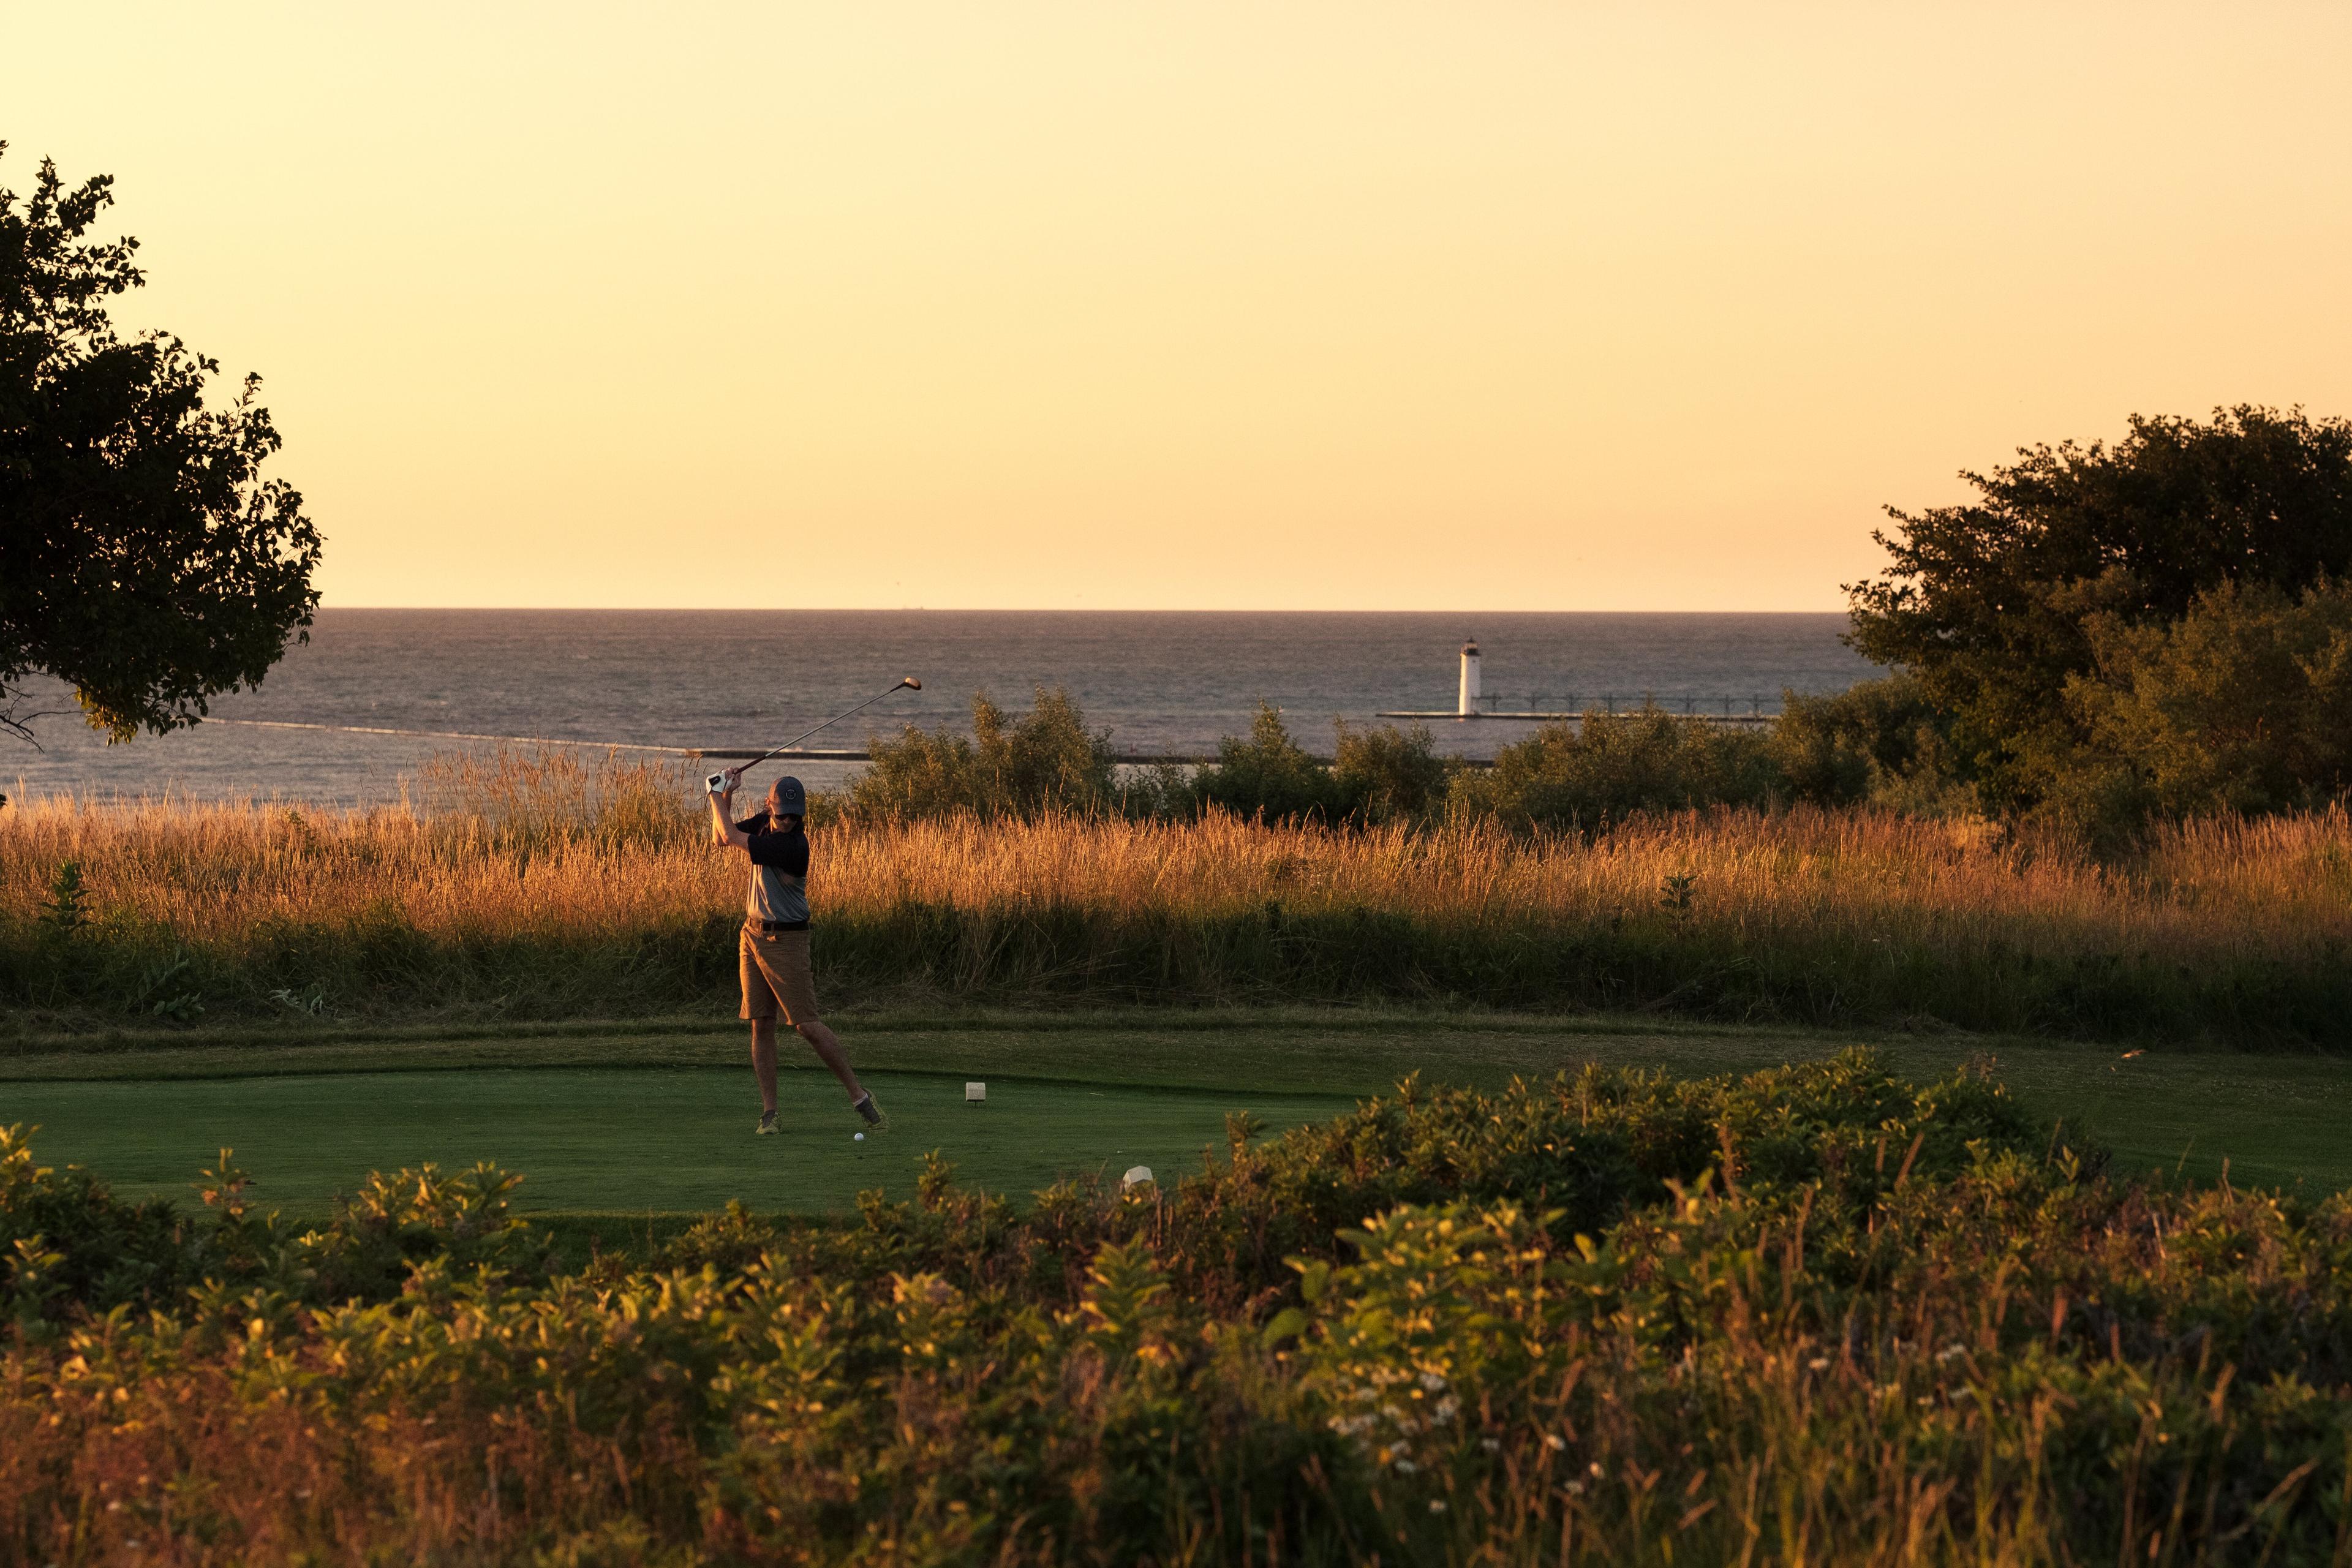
(787, 852)
(753, 823)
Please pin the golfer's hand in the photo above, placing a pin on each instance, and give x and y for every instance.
(733, 777)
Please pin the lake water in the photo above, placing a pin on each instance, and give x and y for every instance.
(1162, 682)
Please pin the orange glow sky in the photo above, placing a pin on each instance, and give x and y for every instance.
(1277, 304)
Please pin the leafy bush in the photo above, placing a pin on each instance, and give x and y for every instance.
(1043, 762)
(1380, 774)
(71, 1244)
(1269, 777)
(78, 1249)
(1610, 768)
(1879, 741)
(1602, 771)
(1387, 774)
(1620, 1318)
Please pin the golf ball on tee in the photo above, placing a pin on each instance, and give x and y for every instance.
(858, 1137)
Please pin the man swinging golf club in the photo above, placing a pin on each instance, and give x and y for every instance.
(773, 955)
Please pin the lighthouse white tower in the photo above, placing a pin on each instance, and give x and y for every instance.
(1469, 704)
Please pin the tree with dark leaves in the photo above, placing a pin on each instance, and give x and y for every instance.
(1989, 604)
(145, 560)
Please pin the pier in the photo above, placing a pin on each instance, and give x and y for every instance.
(1609, 709)
(1470, 702)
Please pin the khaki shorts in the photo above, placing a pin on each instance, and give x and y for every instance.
(774, 969)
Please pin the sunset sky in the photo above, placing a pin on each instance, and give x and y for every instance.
(1280, 305)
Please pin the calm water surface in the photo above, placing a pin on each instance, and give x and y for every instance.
(1162, 682)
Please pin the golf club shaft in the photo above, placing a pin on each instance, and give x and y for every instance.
(805, 734)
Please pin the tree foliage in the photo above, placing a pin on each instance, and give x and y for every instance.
(144, 559)
(1991, 605)
(2244, 704)
(1881, 741)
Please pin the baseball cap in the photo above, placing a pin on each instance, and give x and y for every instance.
(790, 799)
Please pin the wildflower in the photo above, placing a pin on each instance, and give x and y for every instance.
(1432, 1382)
(1490, 1444)
(1552, 1440)
(1574, 1489)
(1595, 1468)
(1819, 1364)
(1436, 1506)
(1951, 1350)
(1407, 1468)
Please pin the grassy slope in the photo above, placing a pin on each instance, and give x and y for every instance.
(631, 1119)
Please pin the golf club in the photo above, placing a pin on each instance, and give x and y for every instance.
(907, 683)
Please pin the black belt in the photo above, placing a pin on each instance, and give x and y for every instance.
(767, 928)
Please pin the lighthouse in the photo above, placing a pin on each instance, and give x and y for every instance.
(1468, 707)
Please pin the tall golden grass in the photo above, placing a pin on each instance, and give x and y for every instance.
(1808, 913)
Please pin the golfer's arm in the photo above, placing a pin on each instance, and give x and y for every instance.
(722, 819)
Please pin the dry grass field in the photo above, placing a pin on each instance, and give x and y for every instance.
(605, 899)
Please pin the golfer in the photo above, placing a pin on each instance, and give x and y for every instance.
(774, 954)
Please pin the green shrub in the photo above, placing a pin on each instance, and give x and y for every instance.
(81, 1250)
(1042, 762)
(1879, 741)
(1618, 1318)
(70, 1243)
(1610, 767)
(1380, 774)
(1387, 774)
(1269, 777)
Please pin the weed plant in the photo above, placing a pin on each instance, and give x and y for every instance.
(615, 904)
(1811, 1316)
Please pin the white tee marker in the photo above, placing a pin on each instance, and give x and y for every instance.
(975, 1093)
